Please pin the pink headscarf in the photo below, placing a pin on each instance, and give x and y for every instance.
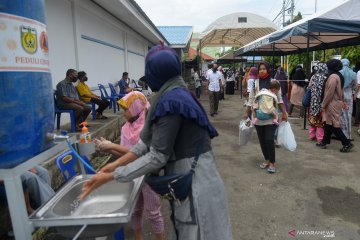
(253, 73)
(137, 104)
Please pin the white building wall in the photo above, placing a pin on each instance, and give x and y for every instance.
(61, 38)
(100, 46)
(85, 37)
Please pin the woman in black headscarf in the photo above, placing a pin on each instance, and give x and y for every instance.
(266, 128)
(297, 78)
(332, 105)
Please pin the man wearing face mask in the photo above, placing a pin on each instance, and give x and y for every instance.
(88, 96)
(213, 78)
(68, 98)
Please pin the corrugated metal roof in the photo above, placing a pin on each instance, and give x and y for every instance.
(176, 35)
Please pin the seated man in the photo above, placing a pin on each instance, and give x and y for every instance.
(124, 84)
(36, 186)
(68, 98)
(88, 96)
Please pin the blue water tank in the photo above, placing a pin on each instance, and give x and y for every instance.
(26, 93)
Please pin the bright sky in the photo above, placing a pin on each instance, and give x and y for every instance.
(200, 13)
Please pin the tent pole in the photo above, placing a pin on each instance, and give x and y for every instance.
(234, 67)
(307, 70)
(253, 60)
(200, 68)
(324, 55)
(273, 60)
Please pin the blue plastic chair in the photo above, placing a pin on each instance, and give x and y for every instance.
(112, 99)
(93, 109)
(114, 93)
(58, 113)
(67, 162)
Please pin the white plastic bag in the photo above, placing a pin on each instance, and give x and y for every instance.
(245, 130)
(285, 136)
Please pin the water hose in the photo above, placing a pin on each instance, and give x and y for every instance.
(79, 157)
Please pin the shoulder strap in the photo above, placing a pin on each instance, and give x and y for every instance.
(256, 86)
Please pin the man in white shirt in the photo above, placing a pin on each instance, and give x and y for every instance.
(213, 78)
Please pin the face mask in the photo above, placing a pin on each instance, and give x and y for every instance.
(214, 69)
(85, 79)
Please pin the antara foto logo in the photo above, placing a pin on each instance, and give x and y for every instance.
(292, 233)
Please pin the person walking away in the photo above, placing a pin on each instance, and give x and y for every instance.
(68, 98)
(88, 96)
(175, 131)
(223, 83)
(213, 78)
(357, 97)
(349, 86)
(249, 83)
(282, 78)
(266, 128)
(332, 105)
(230, 82)
(298, 89)
(316, 85)
(198, 84)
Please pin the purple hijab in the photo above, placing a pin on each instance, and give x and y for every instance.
(282, 78)
(161, 64)
(253, 73)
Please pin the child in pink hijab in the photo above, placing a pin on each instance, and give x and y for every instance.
(135, 106)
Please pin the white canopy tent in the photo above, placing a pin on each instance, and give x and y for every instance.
(337, 27)
(236, 30)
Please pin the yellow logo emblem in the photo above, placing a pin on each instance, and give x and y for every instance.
(29, 39)
(66, 159)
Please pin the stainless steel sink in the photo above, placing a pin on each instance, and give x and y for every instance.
(104, 211)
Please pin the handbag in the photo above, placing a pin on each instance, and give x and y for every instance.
(307, 98)
(175, 186)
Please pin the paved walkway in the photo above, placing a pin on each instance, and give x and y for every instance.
(314, 189)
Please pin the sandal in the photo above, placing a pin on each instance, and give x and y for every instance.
(271, 170)
(321, 145)
(264, 165)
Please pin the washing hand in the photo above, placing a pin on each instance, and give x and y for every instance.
(95, 182)
(101, 144)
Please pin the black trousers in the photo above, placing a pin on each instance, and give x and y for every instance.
(329, 130)
(103, 104)
(266, 136)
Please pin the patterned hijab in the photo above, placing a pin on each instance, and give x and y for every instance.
(137, 104)
(317, 87)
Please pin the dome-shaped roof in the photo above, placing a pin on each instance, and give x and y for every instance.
(237, 29)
